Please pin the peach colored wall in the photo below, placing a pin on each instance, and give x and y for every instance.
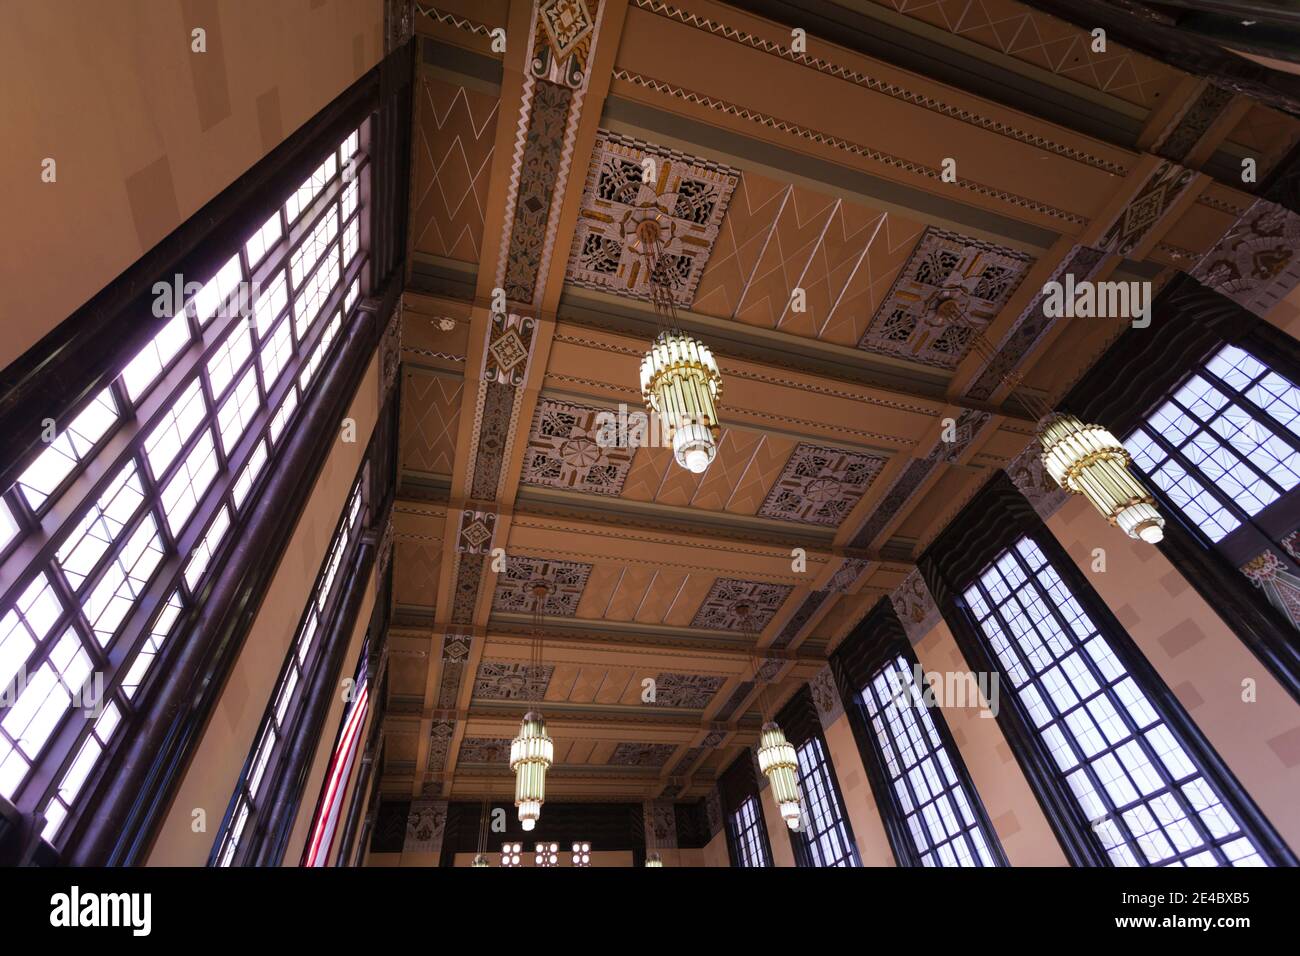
(1018, 820)
(855, 790)
(715, 851)
(222, 749)
(1286, 314)
(778, 834)
(144, 131)
(325, 745)
(1200, 658)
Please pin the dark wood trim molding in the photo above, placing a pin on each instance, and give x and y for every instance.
(992, 521)
(138, 781)
(1189, 322)
(878, 638)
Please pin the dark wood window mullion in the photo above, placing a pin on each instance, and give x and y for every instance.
(1221, 442)
(882, 706)
(1174, 454)
(1136, 734)
(1244, 400)
(1081, 761)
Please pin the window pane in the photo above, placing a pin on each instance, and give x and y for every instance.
(68, 449)
(1125, 769)
(935, 805)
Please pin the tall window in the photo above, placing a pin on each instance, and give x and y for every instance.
(940, 818)
(1144, 797)
(109, 535)
(824, 835)
(1226, 445)
(746, 832)
(284, 714)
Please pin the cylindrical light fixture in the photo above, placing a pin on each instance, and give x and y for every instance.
(531, 753)
(1088, 460)
(654, 859)
(681, 383)
(777, 760)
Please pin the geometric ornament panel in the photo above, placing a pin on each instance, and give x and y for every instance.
(980, 276)
(631, 186)
(719, 610)
(820, 485)
(563, 451)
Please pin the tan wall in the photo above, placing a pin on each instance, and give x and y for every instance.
(228, 737)
(1286, 314)
(325, 745)
(1200, 658)
(1022, 828)
(143, 131)
(855, 790)
(778, 834)
(715, 851)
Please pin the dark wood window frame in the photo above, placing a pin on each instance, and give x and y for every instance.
(1137, 374)
(738, 785)
(802, 727)
(86, 353)
(123, 451)
(876, 642)
(333, 595)
(993, 521)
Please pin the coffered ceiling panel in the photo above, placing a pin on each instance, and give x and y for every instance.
(455, 130)
(428, 430)
(636, 189)
(653, 596)
(1038, 39)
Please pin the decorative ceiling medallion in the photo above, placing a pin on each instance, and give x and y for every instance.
(484, 750)
(641, 755)
(476, 530)
(563, 43)
(1147, 208)
(719, 610)
(686, 690)
(509, 343)
(820, 485)
(566, 580)
(563, 451)
(982, 275)
(509, 681)
(685, 198)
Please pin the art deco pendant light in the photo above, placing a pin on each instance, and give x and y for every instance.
(680, 381)
(776, 757)
(1088, 460)
(1084, 459)
(532, 751)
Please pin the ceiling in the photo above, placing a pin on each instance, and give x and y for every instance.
(853, 428)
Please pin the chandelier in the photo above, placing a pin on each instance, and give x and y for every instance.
(680, 380)
(1088, 460)
(654, 859)
(532, 752)
(1084, 459)
(776, 757)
